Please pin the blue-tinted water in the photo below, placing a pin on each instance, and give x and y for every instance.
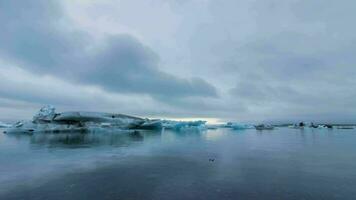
(215, 164)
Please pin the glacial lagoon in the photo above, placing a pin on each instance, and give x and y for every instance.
(212, 164)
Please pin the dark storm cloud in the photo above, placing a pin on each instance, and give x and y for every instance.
(36, 37)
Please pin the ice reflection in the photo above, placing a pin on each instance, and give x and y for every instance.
(90, 140)
(86, 140)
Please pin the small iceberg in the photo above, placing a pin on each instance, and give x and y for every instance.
(238, 126)
(329, 126)
(184, 125)
(302, 125)
(4, 125)
(345, 127)
(264, 127)
(212, 126)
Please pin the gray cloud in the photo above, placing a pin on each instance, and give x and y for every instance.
(32, 35)
(125, 65)
(37, 39)
(281, 60)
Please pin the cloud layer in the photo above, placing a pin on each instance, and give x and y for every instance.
(39, 42)
(233, 60)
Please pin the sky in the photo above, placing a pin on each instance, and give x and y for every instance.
(231, 60)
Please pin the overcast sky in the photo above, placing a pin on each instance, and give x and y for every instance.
(240, 60)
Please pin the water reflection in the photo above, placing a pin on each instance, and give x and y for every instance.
(283, 163)
(86, 140)
(214, 135)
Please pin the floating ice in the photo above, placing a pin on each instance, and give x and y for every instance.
(47, 120)
(212, 126)
(238, 126)
(4, 125)
(302, 125)
(182, 125)
(264, 127)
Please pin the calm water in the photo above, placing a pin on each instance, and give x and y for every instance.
(279, 164)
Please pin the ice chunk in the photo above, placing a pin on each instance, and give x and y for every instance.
(264, 127)
(180, 125)
(212, 126)
(4, 125)
(238, 126)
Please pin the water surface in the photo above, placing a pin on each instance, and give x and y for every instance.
(214, 164)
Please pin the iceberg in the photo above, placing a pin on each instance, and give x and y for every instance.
(184, 125)
(212, 126)
(48, 120)
(4, 125)
(261, 127)
(302, 125)
(238, 126)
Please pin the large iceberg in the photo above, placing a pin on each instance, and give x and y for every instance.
(47, 120)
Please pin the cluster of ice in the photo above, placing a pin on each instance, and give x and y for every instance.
(241, 126)
(48, 120)
(302, 125)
